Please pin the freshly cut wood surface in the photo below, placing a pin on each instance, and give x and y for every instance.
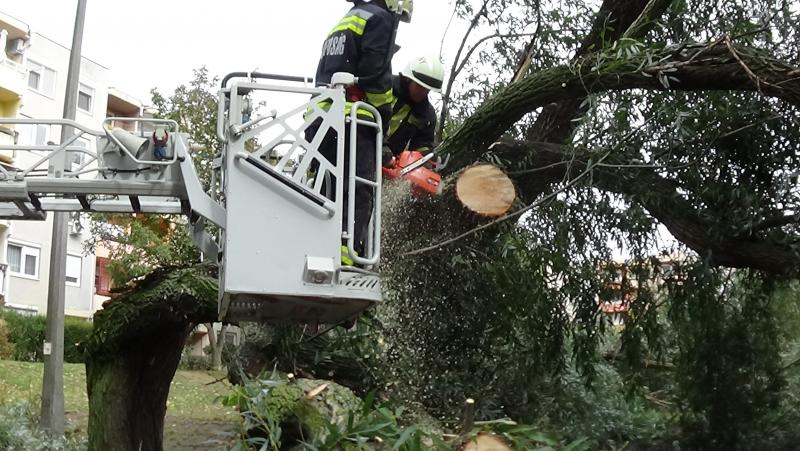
(312, 393)
(485, 442)
(485, 190)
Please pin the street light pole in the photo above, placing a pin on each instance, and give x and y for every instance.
(52, 418)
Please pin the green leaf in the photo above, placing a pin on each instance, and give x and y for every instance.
(407, 433)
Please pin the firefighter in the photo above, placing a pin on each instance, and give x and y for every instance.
(413, 119)
(362, 43)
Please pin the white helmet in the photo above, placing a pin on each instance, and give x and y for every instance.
(404, 7)
(427, 71)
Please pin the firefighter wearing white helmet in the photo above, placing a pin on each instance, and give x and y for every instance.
(403, 7)
(413, 120)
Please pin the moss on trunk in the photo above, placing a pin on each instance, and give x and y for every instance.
(134, 351)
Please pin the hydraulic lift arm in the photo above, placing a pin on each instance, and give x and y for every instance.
(279, 226)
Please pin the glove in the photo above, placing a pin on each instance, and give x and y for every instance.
(434, 163)
(388, 157)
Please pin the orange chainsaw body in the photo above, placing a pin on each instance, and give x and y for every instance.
(423, 180)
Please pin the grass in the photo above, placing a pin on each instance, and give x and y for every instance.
(22, 381)
(189, 396)
(194, 415)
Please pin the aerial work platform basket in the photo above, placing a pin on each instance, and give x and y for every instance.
(277, 202)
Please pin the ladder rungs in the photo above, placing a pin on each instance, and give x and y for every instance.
(95, 186)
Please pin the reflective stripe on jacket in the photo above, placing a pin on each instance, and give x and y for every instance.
(412, 125)
(360, 44)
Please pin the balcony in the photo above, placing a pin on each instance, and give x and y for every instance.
(121, 104)
(12, 82)
(14, 38)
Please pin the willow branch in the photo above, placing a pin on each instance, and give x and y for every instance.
(661, 197)
(698, 67)
(527, 54)
(651, 12)
(453, 73)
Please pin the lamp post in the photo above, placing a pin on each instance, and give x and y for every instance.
(52, 418)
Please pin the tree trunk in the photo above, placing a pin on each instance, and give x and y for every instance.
(216, 342)
(133, 352)
(128, 394)
(216, 349)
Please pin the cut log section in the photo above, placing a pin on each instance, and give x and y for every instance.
(485, 441)
(485, 190)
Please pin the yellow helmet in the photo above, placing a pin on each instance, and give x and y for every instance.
(403, 7)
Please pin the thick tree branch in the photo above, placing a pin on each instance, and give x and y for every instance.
(635, 18)
(773, 222)
(662, 199)
(698, 67)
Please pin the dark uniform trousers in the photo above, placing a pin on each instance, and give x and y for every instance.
(365, 168)
(361, 43)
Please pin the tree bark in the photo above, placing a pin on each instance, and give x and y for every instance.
(128, 394)
(614, 18)
(302, 408)
(216, 342)
(133, 353)
(697, 67)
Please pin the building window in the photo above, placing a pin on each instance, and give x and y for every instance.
(74, 270)
(75, 157)
(231, 338)
(23, 261)
(33, 135)
(85, 98)
(102, 278)
(40, 135)
(41, 79)
(34, 79)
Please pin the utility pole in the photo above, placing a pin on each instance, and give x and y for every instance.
(52, 418)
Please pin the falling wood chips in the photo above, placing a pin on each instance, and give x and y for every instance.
(485, 190)
(314, 392)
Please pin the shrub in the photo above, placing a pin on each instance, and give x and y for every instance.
(26, 333)
(6, 347)
(195, 362)
(76, 335)
(18, 430)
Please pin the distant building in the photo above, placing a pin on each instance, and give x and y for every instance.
(624, 285)
(33, 76)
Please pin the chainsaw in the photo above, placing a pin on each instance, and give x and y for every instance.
(410, 165)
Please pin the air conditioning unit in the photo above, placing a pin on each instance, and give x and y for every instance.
(16, 47)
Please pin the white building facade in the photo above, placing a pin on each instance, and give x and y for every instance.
(38, 79)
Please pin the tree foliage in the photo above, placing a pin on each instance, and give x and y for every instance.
(658, 130)
(636, 132)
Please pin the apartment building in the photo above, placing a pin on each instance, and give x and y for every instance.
(33, 76)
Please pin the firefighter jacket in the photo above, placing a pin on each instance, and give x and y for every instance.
(360, 44)
(412, 124)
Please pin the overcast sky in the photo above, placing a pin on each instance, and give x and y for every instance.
(157, 43)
